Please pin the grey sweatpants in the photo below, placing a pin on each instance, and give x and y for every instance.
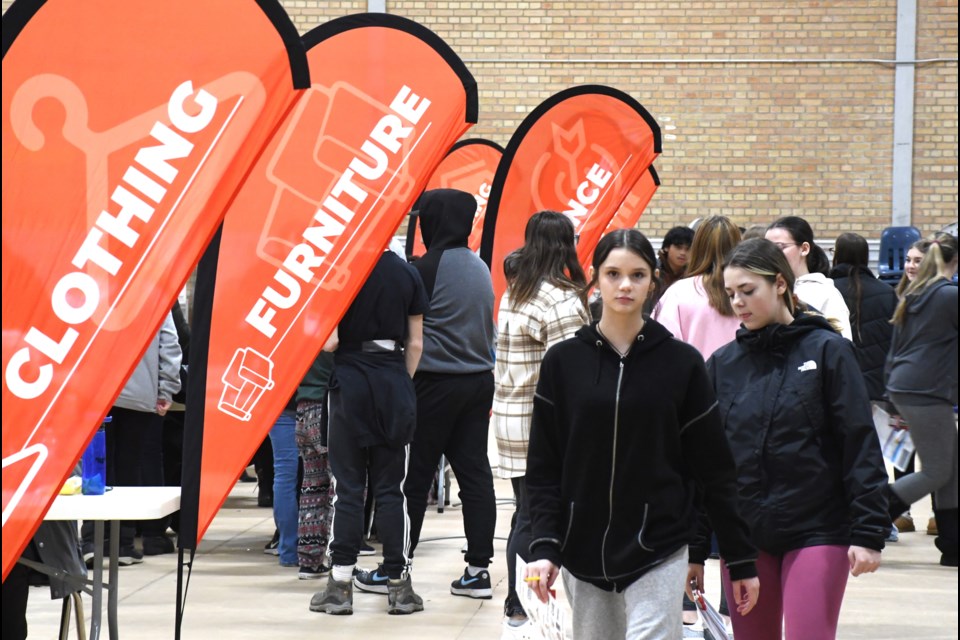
(648, 609)
(934, 432)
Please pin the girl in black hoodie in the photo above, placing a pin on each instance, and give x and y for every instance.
(811, 479)
(625, 427)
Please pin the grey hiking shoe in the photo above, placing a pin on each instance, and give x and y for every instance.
(401, 599)
(336, 599)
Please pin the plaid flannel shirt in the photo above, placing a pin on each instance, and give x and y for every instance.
(523, 336)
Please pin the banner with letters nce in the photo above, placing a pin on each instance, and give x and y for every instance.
(579, 153)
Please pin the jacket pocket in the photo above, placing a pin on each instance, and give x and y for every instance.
(643, 528)
(566, 535)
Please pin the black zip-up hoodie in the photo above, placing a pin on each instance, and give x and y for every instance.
(795, 410)
(617, 447)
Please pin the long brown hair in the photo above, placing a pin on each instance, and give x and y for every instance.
(852, 249)
(941, 251)
(715, 237)
(549, 254)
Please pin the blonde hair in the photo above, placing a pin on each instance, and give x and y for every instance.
(922, 246)
(941, 251)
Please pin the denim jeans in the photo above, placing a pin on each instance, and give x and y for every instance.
(285, 509)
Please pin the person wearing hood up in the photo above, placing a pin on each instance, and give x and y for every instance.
(625, 429)
(454, 382)
(810, 475)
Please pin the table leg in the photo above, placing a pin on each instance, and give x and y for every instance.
(113, 587)
(97, 595)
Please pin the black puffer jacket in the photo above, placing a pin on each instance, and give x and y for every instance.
(615, 448)
(796, 413)
(870, 324)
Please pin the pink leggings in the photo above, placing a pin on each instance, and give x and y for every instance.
(800, 595)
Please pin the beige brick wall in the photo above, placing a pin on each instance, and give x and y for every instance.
(754, 140)
(935, 124)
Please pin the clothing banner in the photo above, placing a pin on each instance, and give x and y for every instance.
(635, 203)
(579, 152)
(127, 127)
(387, 99)
(469, 166)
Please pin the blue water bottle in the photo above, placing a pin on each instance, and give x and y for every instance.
(93, 467)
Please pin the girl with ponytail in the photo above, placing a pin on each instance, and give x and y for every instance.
(922, 384)
(809, 264)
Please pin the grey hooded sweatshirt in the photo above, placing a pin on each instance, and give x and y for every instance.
(458, 331)
(923, 354)
(157, 375)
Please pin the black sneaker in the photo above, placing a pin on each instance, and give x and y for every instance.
(128, 556)
(477, 586)
(366, 550)
(265, 498)
(375, 581)
(313, 573)
(157, 545)
(401, 599)
(336, 599)
(272, 548)
(513, 611)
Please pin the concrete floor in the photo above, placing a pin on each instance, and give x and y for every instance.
(237, 591)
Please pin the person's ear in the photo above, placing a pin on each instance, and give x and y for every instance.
(804, 249)
(780, 285)
(591, 272)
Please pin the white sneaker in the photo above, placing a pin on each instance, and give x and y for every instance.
(525, 631)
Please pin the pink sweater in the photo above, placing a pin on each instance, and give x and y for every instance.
(686, 312)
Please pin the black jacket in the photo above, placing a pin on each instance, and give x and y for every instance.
(870, 323)
(796, 413)
(616, 446)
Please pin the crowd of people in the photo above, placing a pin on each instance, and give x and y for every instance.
(717, 396)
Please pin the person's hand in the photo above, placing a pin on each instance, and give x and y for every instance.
(162, 406)
(745, 594)
(540, 576)
(333, 341)
(694, 577)
(897, 423)
(862, 560)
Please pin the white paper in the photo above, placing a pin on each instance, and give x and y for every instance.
(550, 618)
(896, 444)
(709, 617)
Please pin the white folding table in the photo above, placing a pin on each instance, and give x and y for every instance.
(119, 503)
